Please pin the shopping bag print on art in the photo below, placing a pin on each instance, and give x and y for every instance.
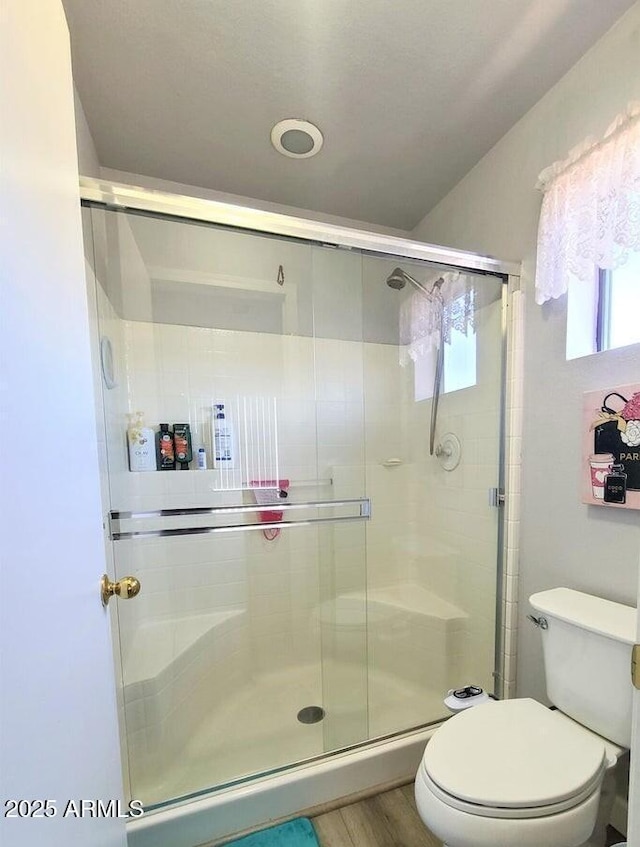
(611, 447)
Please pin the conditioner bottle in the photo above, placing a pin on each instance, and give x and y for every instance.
(223, 439)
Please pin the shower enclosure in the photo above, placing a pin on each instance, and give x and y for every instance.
(330, 580)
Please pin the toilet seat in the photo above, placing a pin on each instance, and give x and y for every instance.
(508, 812)
(513, 759)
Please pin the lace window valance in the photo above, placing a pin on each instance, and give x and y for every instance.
(590, 214)
(451, 305)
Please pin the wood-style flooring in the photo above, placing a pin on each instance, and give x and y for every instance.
(386, 820)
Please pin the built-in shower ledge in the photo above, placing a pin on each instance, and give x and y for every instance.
(374, 605)
(412, 597)
(158, 646)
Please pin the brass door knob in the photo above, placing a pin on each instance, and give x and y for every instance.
(125, 588)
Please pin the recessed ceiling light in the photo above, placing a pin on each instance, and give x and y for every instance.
(296, 139)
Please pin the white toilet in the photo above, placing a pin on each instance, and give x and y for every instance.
(514, 773)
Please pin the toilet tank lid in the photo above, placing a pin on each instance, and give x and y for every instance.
(612, 620)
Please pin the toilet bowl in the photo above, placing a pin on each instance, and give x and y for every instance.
(517, 774)
(513, 774)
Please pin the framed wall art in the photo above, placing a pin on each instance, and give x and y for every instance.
(611, 447)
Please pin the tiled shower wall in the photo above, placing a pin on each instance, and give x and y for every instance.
(345, 409)
(276, 581)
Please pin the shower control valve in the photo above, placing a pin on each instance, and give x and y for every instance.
(449, 451)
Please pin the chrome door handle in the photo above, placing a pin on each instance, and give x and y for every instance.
(126, 588)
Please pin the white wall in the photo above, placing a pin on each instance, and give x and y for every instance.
(494, 209)
(57, 681)
(88, 164)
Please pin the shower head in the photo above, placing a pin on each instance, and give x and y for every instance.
(397, 279)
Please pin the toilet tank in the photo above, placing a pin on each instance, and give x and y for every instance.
(587, 656)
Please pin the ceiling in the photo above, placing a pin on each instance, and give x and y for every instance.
(409, 94)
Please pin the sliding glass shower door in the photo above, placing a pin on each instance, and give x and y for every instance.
(432, 543)
(312, 577)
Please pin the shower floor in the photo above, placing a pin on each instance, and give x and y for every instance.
(257, 729)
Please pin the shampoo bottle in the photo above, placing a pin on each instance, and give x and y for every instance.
(165, 452)
(182, 444)
(140, 442)
(223, 440)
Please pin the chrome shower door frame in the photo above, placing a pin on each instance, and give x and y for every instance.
(121, 197)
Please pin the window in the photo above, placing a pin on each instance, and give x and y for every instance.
(459, 361)
(589, 222)
(618, 311)
(605, 314)
(445, 322)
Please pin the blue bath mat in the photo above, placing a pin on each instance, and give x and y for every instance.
(296, 833)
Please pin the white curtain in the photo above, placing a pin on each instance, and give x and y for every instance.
(590, 214)
(451, 304)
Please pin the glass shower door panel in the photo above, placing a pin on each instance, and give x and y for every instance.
(432, 540)
(223, 648)
(338, 349)
(343, 633)
(219, 654)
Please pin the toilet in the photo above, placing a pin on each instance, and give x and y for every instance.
(514, 773)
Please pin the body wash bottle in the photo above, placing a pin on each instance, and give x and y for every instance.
(223, 439)
(140, 440)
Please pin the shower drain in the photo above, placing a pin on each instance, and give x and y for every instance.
(311, 714)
